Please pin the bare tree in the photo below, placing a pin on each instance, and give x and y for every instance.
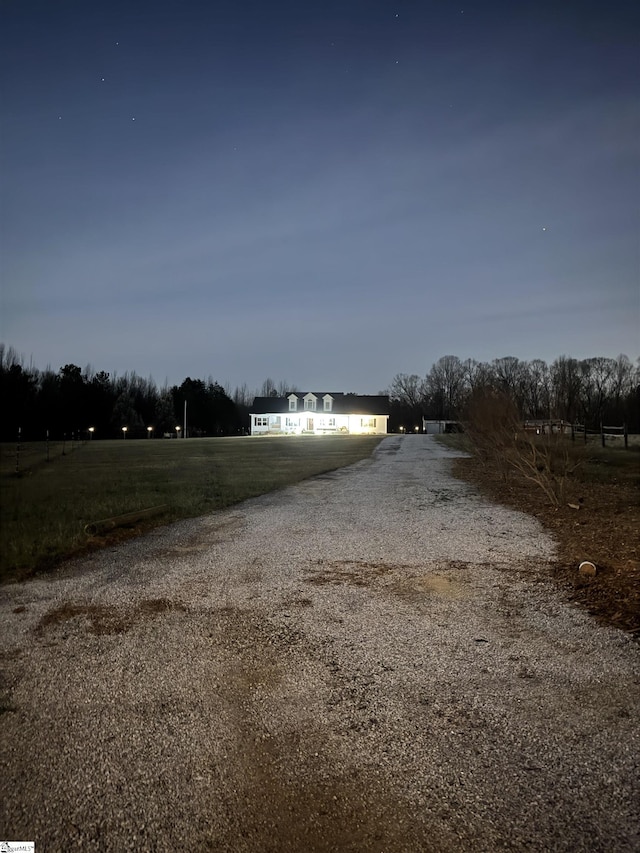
(408, 390)
(566, 384)
(511, 378)
(477, 374)
(445, 384)
(269, 388)
(407, 401)
(598, 382)
(537, 389)
(241, 395)
(9, 357)
(623, 379)
(285, 388)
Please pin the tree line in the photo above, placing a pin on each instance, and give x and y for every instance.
(68, 402)
(589, 391)
(77, 402)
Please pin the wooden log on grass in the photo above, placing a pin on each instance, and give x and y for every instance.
(129, 518)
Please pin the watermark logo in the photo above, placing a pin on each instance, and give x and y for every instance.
(17, 846)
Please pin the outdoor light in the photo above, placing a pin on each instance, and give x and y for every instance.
(149, 431)
(91, 432)
(124, 431)
(417, 429)
(401, 429)
(177, 432)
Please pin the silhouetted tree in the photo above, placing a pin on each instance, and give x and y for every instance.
(18, 395)
(566, 384)
(102, 397)
(73, 400)
(209, 410)
(445, 386)
(407, 398)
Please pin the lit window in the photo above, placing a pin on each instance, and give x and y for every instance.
(368, 422)
(260, 422)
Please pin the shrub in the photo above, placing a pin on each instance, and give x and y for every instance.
(496, 431)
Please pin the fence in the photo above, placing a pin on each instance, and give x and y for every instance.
(542, 427)
(604, 432)
(22, 457)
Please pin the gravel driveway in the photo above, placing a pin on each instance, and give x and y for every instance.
(372, 660)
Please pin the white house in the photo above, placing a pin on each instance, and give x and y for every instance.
(320, 413)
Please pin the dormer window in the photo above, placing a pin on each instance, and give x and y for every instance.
(328, 402)
(293, 403)
(310, 401)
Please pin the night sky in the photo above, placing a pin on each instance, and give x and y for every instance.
(327, 193)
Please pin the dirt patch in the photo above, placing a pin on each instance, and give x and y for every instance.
(213, 530)
(300, 602)
(604, 530)
(404, 581)
(99, 619)
(294, 811)
(355, 572)
(300, 798)
(424, 586)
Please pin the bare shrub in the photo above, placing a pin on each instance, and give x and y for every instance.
(495, 428)
(491, 421)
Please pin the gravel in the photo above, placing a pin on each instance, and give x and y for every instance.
(372, 660)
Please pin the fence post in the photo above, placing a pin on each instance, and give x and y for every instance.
(602, 433)
(18, 451)
(626, 436)
(573, 433)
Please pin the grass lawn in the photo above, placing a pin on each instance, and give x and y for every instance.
(45, 505)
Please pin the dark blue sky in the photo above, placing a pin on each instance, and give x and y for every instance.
(327, 193)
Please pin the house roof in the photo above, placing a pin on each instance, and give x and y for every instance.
(343, 404)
